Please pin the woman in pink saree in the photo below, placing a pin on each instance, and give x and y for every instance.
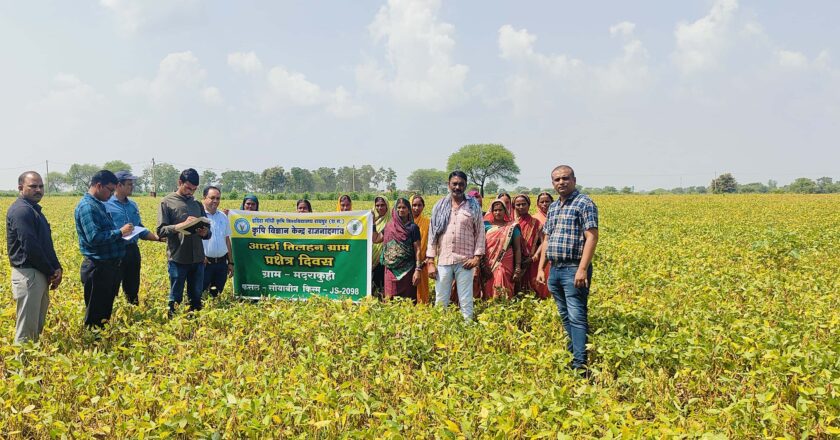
(504, 253)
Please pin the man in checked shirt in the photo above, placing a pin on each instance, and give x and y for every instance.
(456, 238)
(570, 235)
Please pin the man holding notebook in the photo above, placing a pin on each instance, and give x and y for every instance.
(176, 217)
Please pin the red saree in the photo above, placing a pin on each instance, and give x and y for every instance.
(531, 229)
(501, 261)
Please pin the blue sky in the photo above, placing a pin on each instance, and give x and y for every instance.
(645, 93)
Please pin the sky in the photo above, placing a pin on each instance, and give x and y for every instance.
(645, 94)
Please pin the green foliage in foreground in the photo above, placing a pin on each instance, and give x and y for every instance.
(710, 315)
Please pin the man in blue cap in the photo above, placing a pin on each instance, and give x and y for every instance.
(124, 211)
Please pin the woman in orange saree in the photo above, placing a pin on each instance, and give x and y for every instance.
(504, 198)
(422, 222)
(504, 253)
(544, 200)
(531, 229)
(344, 203)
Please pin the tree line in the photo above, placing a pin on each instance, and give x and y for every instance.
(491, 168)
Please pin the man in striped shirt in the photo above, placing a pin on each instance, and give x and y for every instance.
(570, 235)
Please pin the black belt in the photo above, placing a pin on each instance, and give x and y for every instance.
(565, 263)
(222, 259)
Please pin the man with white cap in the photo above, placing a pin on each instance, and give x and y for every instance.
(124, 211)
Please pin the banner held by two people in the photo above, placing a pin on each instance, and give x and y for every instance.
(299, 256)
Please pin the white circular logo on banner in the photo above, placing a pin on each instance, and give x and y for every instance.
(354, 227)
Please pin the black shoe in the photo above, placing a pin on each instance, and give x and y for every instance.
(171, 312)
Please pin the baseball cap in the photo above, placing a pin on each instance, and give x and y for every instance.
(125, 175)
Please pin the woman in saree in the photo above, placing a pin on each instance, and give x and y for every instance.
(504, 253)
(303, 206)
(544, 200)
(401, 250)
(344, 203)
(380, 220)
(531, 229)
(504, 198)
(250, 203)
(418, 204)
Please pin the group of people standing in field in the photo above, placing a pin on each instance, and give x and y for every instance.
(469, 253)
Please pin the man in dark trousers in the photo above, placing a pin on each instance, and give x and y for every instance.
(35, 267)
(185, 252)
(103, 247)
(570, 235)
(124, 211)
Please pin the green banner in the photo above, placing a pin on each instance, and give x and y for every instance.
(298, 256)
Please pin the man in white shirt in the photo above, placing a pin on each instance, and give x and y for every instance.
(218, 262)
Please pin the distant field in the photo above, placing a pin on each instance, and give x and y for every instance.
(709, 315)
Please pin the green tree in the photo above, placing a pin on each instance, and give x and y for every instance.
(627, 190)
(165, 178)
(239, 181)
(803, 185)
(78, 176)
(725, 183)
(364, 178)
(481, 162)
(427, 181)
(56, 182)
(300, 180)
(324, 178)
(273, 180)
(208, 178)
(825, 185)
(491, 187)
(116, 165)
(387, 176)
(754, 187)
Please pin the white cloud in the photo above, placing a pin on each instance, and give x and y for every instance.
(623, 28)
(211, 95)
(341, 105)
(419, 49)
(792, 59)
(179, 77)
(518, 46)
(701, 44)
(283, 87)
(540, 76)
(138, 15)
(629, 72)
(294, 87)
(67, 97)
(244, 62)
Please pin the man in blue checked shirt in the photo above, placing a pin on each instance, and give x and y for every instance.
(570, 235)
(103, 247)
(124, 211)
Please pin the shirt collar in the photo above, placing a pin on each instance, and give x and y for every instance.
(570, 198)
(35, 206)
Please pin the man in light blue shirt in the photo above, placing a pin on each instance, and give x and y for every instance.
(124, 211)
(218, 263)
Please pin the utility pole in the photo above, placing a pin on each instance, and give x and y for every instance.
(354, 178)
(47, 179)
(154, 181)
